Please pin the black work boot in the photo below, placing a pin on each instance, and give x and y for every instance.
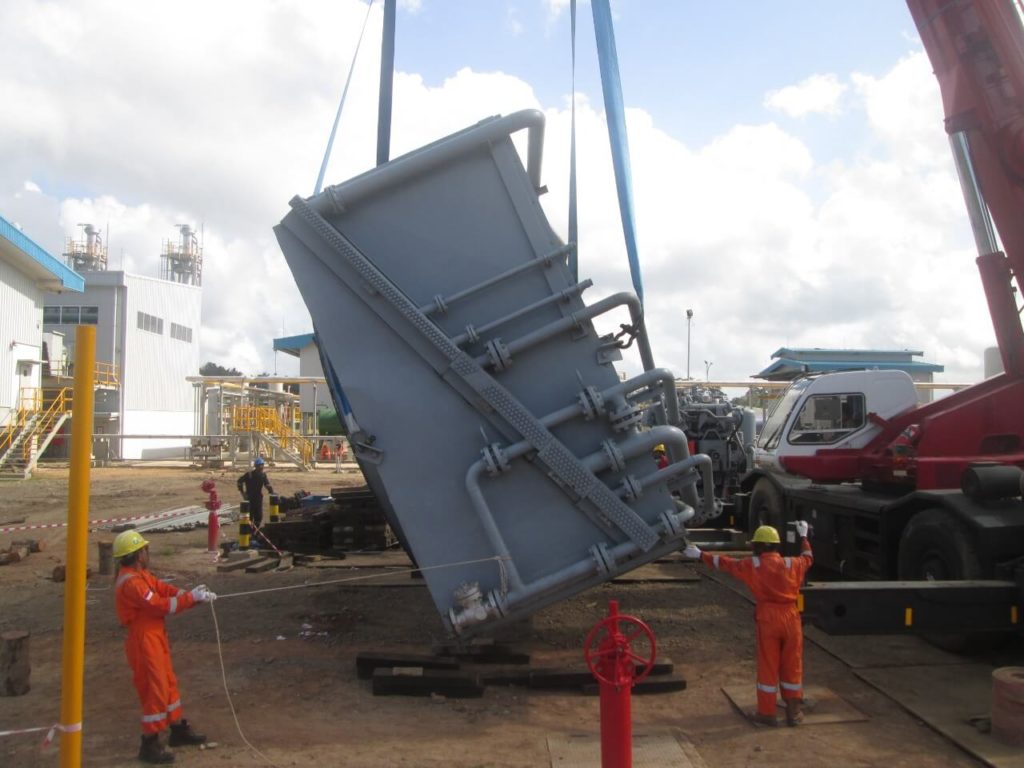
(794, 712)
(152, 751)
(182, 735)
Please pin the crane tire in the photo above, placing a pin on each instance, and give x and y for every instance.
(765, 506)
(936, 546)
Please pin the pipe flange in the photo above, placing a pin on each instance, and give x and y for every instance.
(495, 459)
(616, 461)
(498, 355)
(603, 558)
(626, 418)
(471, 335)
(591, 403)
(441, 304)
(631, 488)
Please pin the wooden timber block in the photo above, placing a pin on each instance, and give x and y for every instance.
(369, 661)
(34, 545)
(416, 681)
(650, 684)
(13, 555)
(484, 651)
(262, 565)
(575, 678)
(15, 666)
(60, 573)
(236, 565)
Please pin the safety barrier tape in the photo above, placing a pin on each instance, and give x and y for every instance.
(51, 731)
(39, 526)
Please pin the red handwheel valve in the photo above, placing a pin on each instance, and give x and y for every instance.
(609, 653)
(213, 522)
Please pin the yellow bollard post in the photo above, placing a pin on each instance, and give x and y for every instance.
(244, 525)
(275, 509)
(73, 666)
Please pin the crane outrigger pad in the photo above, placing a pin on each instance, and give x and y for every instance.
(484, 409)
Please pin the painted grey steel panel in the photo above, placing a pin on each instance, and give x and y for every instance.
(442, 301)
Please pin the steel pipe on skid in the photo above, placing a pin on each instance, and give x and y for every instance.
(441, 303)
(595, 462)
(472, 334)
(576, 318)
(334, 200)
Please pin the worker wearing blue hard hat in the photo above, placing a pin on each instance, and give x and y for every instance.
(251, 486)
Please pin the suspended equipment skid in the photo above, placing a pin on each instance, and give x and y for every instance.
(485, 410)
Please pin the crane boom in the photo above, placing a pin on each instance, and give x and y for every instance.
(976, 48)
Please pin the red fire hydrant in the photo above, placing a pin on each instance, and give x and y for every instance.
(617, 667)
(213, 522)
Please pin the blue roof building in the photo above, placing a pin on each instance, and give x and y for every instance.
(792, 362)
(27, 273)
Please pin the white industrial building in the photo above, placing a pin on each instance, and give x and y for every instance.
(313, 398)
(27, 274)
(147, 328)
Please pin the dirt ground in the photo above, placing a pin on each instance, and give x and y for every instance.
(290, 655)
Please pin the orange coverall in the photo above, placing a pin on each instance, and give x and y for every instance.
(142, 602)
(775, 582)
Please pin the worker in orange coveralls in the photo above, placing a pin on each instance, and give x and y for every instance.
(142, 603)
(775, 582)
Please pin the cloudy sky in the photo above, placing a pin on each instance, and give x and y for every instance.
(793, 182)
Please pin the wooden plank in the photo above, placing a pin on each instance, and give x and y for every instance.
(925, 692)
(238, 565)
(262, 565)
(822, 706)
(649, 685)
(416, 681)
(369, 661)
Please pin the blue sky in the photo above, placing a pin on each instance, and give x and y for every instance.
(698, 67)
(793, 182)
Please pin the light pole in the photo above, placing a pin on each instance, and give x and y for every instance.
(689, 318)
(707, 370)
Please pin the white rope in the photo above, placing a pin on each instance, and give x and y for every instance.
(231, 704)
(216, 626)
(359, 578)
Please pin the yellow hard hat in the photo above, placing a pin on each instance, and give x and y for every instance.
(659, 448)
(765, 534)
(128, 542)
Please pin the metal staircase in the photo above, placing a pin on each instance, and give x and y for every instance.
(31, 429)
(266, 427)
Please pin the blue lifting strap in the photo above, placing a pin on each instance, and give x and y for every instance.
(341, 105)
(574, 261)
(611, 85)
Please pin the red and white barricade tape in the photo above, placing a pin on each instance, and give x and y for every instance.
(92, 523)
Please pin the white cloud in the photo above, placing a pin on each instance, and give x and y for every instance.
(212, 114)
(31, 186)
(817, 94)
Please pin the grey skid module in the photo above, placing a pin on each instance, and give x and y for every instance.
(489, 419)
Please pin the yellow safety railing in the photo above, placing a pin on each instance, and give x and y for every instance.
(107, 375)
(38, 411)
(267, 420)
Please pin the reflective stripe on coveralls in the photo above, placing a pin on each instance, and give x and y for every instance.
(142, 603)
(775, 583)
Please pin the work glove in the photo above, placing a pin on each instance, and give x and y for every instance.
(692, 552)
(801, 528)
(202, 595)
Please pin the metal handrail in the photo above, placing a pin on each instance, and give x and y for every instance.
(267, 420)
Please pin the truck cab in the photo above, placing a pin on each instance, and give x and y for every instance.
(833, 411)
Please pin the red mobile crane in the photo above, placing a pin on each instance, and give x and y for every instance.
(899, 490)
